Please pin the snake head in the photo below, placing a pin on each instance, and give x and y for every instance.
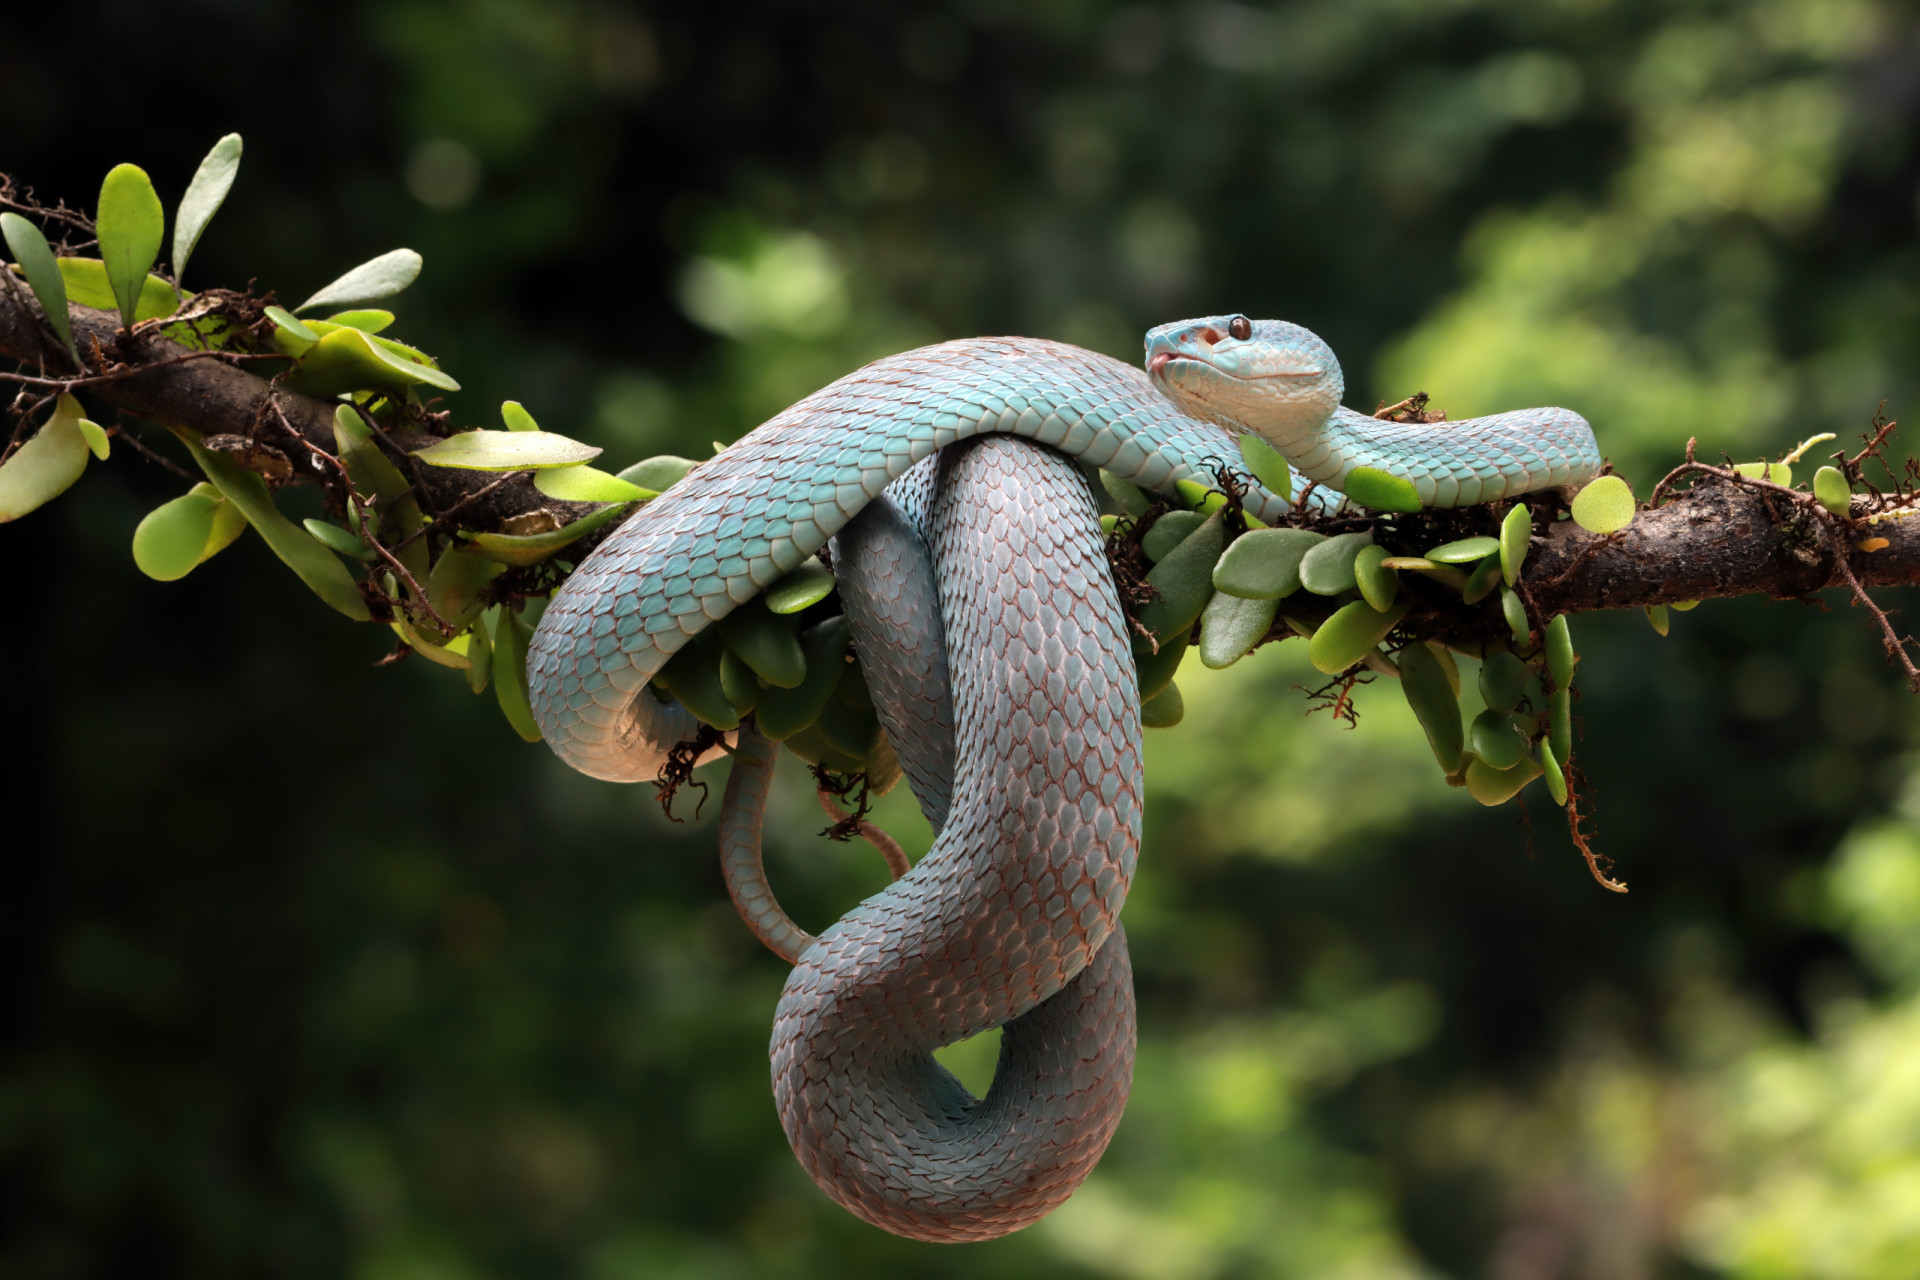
(1268, 376)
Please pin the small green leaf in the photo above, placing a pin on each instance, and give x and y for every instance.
(370, 320)
(1378, 584)
(692, 676)
(1327, 569)
(459, 577)
(587, 484)
(1435, 703)
(42, 469)
(521, 550)
(1127, 495)
(31, 251)
(1232, 625)
(377, 278)
(1830, 490)
(346, 359)
(87, 286)
(172, 540)
(293, 327)
(96, 438)
(1481, 582)
(658, 474)
(1503, 679)
(515, 415)
(345, 542)
(1267, 466)
(480, 651)
(1515, 612)
(1184, 581)
(1465, 551)
(1515, 533)
(1265, 563)
(1684, 606)
(1168, 532)
(438, 654)
(1657, 617)
(1381, 490)
(784, 710)
(297, 549)
(1166, 708)
(1441, 573)
(178, 536)
(1560, 654)
(1605, 506)
(739, 683)
(1155, 670)
(1491, 786)
(806, 585)
(1560, 723)
(1556, 779)
(508, 451)
(205, 194)
(1199, 497)
(510, 636)
(1496, 739)
(1779, 473)
(130, 226)
(1353, 632)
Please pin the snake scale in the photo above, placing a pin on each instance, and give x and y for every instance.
(971, 568)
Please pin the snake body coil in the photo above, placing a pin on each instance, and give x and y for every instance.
(1030, 771)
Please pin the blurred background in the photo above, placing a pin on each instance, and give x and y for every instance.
(309, 969)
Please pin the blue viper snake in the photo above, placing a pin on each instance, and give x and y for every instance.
(971, 568)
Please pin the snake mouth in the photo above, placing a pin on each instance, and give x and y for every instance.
(1157, 365)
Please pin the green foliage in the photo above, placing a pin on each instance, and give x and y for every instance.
(1353, 632)
(587, 484)
(41, 469)
(1381, 490)
(377, 278)
(1604, 506)
(179, 536)
(1182, 580)
(1831, 490)
(1327, 567)
(524, 549)
(131, 224)
(205, 194)
(799, 589)
(1516, 531)
(310, 561)
(1264, 564)
(29, 248)
(88, 285)
(346, 359)
(507, 451)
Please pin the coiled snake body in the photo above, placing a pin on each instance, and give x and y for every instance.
(984, 612)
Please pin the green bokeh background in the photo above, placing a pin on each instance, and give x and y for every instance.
(312, 969)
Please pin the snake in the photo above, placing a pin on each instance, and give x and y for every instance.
(949, 484)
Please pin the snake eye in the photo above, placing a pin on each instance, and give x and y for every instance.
(1240, 327)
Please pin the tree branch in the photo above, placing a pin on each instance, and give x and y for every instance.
(1717, 539)
(215, 396)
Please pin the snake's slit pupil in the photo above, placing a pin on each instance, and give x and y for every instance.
(1240, 327)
